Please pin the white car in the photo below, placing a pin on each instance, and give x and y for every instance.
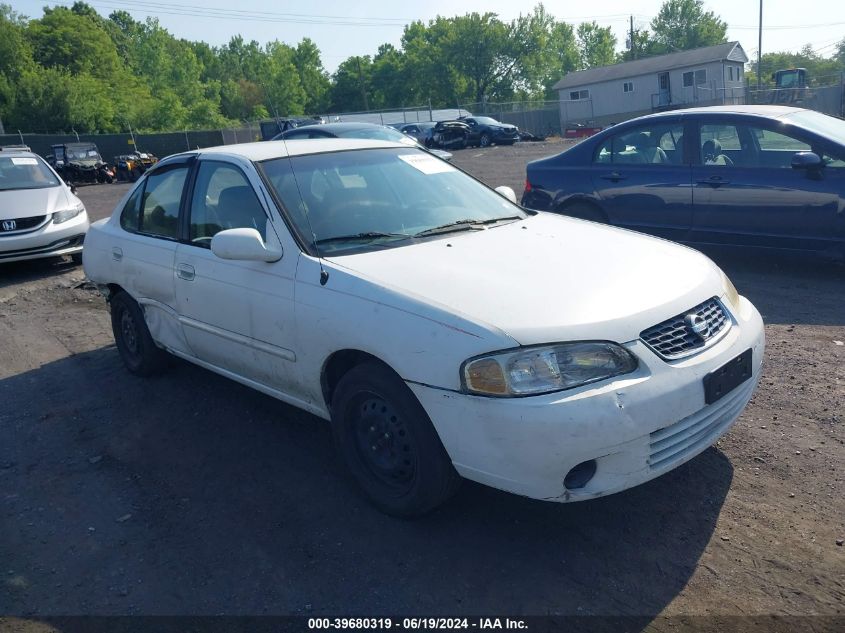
(39, 214)
(445, 331)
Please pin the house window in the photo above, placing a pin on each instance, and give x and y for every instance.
(698, 78)
(577, 95)
(731, 73)
(628, 86)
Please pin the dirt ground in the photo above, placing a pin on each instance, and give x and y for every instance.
(190, 494)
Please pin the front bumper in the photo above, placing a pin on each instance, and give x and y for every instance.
(49, 240)
(636, 427)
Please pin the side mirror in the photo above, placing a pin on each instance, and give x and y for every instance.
(806, 160)
(506, 192)
(244, 245)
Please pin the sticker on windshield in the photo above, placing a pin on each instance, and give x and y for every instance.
(427, 164)
(24, 161)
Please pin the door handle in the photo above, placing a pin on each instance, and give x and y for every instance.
(116, 253)
(714, 180)
(185, 271)
(614, 176)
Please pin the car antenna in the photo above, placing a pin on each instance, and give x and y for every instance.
(324, 274)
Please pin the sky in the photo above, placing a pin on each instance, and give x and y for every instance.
(343, 28)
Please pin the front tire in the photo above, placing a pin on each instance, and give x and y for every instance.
(389, 444)
(485, 140)
(137, 349)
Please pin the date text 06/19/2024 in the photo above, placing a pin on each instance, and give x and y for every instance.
(416, 624)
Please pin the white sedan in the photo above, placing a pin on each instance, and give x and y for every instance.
(445, 331)
(40, 216)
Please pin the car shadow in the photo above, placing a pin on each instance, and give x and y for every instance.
(14, 273)
(786, 288)
(190, 494)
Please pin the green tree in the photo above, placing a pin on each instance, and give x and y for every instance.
(596, 45)
(312, 76)
(684, 24)
(352, 84)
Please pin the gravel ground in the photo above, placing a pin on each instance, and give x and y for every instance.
(190, 494)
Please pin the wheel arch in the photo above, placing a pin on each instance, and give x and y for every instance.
(587, 204)
(339, 363)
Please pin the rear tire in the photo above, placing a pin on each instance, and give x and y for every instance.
(389, 444)
(137, 349)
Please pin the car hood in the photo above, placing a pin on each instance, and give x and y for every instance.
(27, 203)
(547, 278)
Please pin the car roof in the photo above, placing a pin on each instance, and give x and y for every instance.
(769, 111)
(343, 126)
(18, 153)
(265, 150)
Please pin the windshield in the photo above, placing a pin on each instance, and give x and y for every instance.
(82, 153)
(380, 198)
(823, 125)
(378, 133)
(25, 172)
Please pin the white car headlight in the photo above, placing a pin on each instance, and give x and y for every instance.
(530, 371)
(731, 295)
(68, 214)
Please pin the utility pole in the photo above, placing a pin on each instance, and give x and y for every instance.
(362, 83)
(759, 45)
(633, 47)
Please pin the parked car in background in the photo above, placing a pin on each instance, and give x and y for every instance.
(130, 167)
(450, 135)
(422, 132)
(80, 163)
(750, 176)
(442, 329)
(357, 130)
(485, 131)
(39, 214)
(271, 128)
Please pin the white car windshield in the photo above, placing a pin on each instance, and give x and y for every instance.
(25, 172)
(350, 201)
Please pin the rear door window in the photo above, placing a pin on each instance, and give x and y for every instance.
(161, 201)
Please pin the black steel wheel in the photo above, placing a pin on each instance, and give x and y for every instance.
(389, 443)
(137, 349)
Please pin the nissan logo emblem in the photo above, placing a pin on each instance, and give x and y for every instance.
(9, 225)
(697, 324)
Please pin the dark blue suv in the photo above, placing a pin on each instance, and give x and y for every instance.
(764, 176)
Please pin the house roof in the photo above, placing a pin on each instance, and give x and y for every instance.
(720, 52)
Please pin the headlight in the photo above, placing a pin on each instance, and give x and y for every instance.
(537, 370)
(731, 295)
(67, 214)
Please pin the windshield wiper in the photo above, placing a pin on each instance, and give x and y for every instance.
(464, 225)
(368, 236)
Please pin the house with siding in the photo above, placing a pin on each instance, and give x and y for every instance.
(712, 75)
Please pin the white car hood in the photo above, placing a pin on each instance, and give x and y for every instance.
(26, 203)
(548, 278)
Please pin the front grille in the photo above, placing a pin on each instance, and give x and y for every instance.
(675, 337)
(675, 443)
(21, 224)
